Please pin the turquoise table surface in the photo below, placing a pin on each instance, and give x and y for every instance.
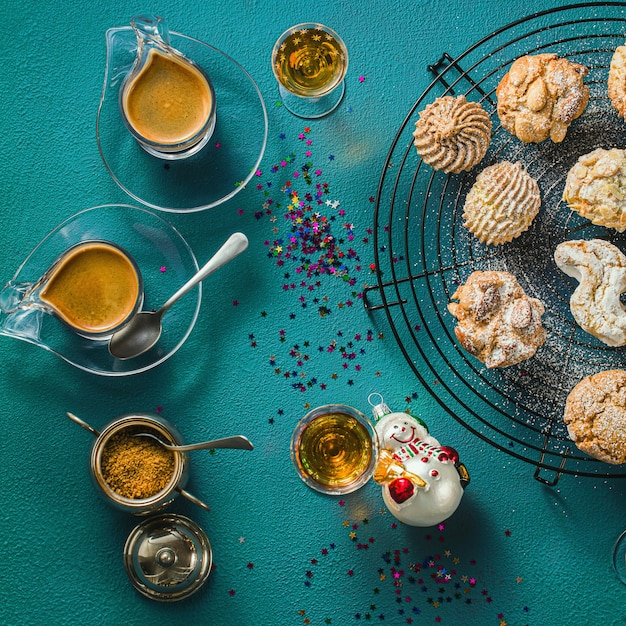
(269, 344)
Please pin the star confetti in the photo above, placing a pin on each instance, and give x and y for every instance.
(417, 579)
(315, 246)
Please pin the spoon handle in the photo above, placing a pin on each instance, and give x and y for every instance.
(237, 442)
(233, 247)
(84, 424)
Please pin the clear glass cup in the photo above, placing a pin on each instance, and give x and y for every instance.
(151, 241)
(166, 101)
(334, 449)
(94, 288)
(309, 62)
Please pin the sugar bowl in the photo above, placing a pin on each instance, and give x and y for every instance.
(139, 463)
(133, 471)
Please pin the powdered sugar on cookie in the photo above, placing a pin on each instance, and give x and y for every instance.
(595, 414)
(497, 322)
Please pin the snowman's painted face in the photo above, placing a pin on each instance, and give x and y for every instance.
(400, 431)
(403, 432)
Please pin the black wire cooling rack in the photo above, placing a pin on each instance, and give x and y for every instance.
(423, 252)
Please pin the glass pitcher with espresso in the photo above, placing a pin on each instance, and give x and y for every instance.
(167, 101)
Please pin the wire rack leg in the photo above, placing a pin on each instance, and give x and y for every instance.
(367, 303)
(444, 65)
(539, 467)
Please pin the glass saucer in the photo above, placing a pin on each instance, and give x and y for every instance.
(165, 260)
(221, 169)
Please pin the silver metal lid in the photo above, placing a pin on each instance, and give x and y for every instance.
(167, 557)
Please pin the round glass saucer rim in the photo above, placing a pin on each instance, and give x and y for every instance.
(102, 372)
(240, 186)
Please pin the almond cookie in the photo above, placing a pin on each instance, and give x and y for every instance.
(617, 80)
(501, 204)
(595, 414)
(497, 322)
(452, 134)
(596, 188)
(540, 96)
(600, 268)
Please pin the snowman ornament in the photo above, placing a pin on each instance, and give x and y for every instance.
(422, 481)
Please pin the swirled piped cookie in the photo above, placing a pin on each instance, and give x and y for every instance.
(600, 268)
(452, 134)
(617, 80)
(596, 187)
(540, 96)
(595, 414)
(497, 322)
(501, 204)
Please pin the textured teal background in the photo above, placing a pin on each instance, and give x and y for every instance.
(527, 554)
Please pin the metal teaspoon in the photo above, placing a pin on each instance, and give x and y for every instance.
(236, 442)
(144, 330)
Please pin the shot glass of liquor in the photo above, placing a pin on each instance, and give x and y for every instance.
(334, 449)
(310, 62)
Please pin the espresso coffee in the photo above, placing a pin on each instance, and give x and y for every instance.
(169, 101)
(93, 288)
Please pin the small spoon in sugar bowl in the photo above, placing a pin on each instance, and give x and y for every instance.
(144, 329)
(236, 442)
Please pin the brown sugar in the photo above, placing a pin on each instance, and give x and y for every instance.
(136, 467)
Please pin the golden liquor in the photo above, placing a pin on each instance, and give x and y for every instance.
(334, 451)
(310, 62)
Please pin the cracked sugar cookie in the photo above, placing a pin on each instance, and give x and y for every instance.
(540, 96)
(595, 414)
(497, 322)
(617, 80)
(502, 203)
(596, 188)
(452, 134)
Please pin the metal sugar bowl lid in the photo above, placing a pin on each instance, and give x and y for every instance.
(167, 557)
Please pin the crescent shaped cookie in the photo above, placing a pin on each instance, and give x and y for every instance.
(540, 96)
(600, 268)
(452, 134)
(595, 414)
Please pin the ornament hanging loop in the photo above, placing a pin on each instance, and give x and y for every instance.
(380, 408)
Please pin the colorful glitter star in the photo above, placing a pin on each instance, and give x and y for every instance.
(315, 247)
